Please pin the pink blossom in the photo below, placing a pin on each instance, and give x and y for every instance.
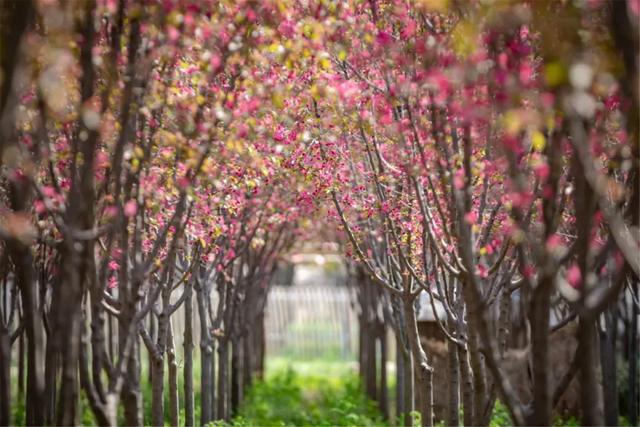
(458, 179)
(554, 242)
(542, 170)
(574, 276)
(48, 191)
(111, 211)
(130, 208)
(383, 38)
(183, 182)
(215, 62)
(471, 217)
(482, 271)
(528, 271)
(174, 34)
(112, 282)
(287, 28)
(409, 29)
(113, 265)
(525, 73)
(39, 207)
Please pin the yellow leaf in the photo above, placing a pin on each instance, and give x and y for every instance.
(512, 122)
(555, 73)
(315, 93)
(465, 36)
(434, 5)
(324, 63)
(235, 145)
(273, 47)
(538, 141)
(551, 123)
(277, 99)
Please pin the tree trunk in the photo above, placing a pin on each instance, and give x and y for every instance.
(157, 391)
(189, 420)
(383, 395)
(207, 378)
(130, 394)
(590, 390)
(51, 381)
(98, 347)
(423, 372)
(23, 263)
(539, 320)
(409, 390)
(247, 360)
(453, 377)
(479, 380)
(206, 384)
(236, 375)
(102, 415)
(132, 397)
(367, 339)
(608, 356)
(261, 345)
(361, 346)
(67, 335)
(223, 379)
(5, 375)
(370, 358)
(466, 378)
(633, 362)
(504, 320)
(400, 379)
(213, 386)
(174, 405)
(159, 348)
(153, 333)
(111, 337)
(21, 355)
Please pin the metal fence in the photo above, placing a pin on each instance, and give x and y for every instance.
(311, 322)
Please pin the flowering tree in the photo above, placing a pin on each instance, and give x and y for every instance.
(157, 154)
(456, 125)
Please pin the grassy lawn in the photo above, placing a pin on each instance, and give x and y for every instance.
(315, 368)
(294, 392)
(308, 393)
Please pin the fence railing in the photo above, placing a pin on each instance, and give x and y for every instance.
(309, 322)
(302, 322)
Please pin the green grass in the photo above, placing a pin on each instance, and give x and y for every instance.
(316, 392)
(310, 392)
(312, 369)
(313, 393)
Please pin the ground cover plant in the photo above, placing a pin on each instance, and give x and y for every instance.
(313, 398)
